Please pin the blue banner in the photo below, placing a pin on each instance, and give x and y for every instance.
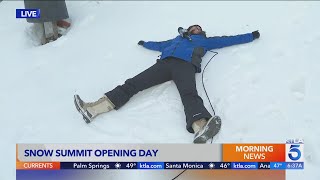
(150, 165)
(278, 165)
(27, 13)
(295, 165)
(244, 165)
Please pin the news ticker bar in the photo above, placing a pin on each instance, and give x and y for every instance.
(161, 165)
(292, 151)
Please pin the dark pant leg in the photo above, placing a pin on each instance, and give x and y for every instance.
(183, 74)
(156, 74)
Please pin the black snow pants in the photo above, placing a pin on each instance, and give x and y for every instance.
(183, 75)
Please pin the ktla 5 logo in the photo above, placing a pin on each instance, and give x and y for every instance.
(294, 152)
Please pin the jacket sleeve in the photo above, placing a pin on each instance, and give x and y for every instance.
(157, 46)
(224, 41)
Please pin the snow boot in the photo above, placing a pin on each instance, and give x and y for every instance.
(91, 110)
(63, 26)
(205, 130)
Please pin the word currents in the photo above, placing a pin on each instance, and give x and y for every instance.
(161, 165)
(27, 13)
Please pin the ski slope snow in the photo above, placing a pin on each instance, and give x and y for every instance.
(265, 91)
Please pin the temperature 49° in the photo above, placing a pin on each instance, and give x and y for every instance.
(131, 165)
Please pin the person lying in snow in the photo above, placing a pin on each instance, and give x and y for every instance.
(180, 60)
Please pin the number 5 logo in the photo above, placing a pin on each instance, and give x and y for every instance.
(294, 149)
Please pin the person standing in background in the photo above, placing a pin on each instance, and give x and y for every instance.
(52, 15)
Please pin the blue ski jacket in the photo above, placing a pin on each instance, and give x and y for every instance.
(193, 50)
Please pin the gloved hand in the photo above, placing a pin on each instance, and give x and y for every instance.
(141, 43)
(255, 35)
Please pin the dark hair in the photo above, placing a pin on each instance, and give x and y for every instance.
(193, 26)
(201, 33)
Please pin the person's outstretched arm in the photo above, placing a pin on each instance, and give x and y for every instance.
(156, 46)
(224, 41)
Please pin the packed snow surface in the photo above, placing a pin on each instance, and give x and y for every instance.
(265, 92)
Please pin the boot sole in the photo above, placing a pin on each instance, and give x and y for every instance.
(80, 110)
(214, 126)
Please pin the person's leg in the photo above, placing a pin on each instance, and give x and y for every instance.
(183, 74)
(156, 74)
(199, 120)
(51, 31)
(116, 98)
(42, 33)
(55, 30)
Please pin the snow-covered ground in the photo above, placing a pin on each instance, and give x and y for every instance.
(264, 91)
